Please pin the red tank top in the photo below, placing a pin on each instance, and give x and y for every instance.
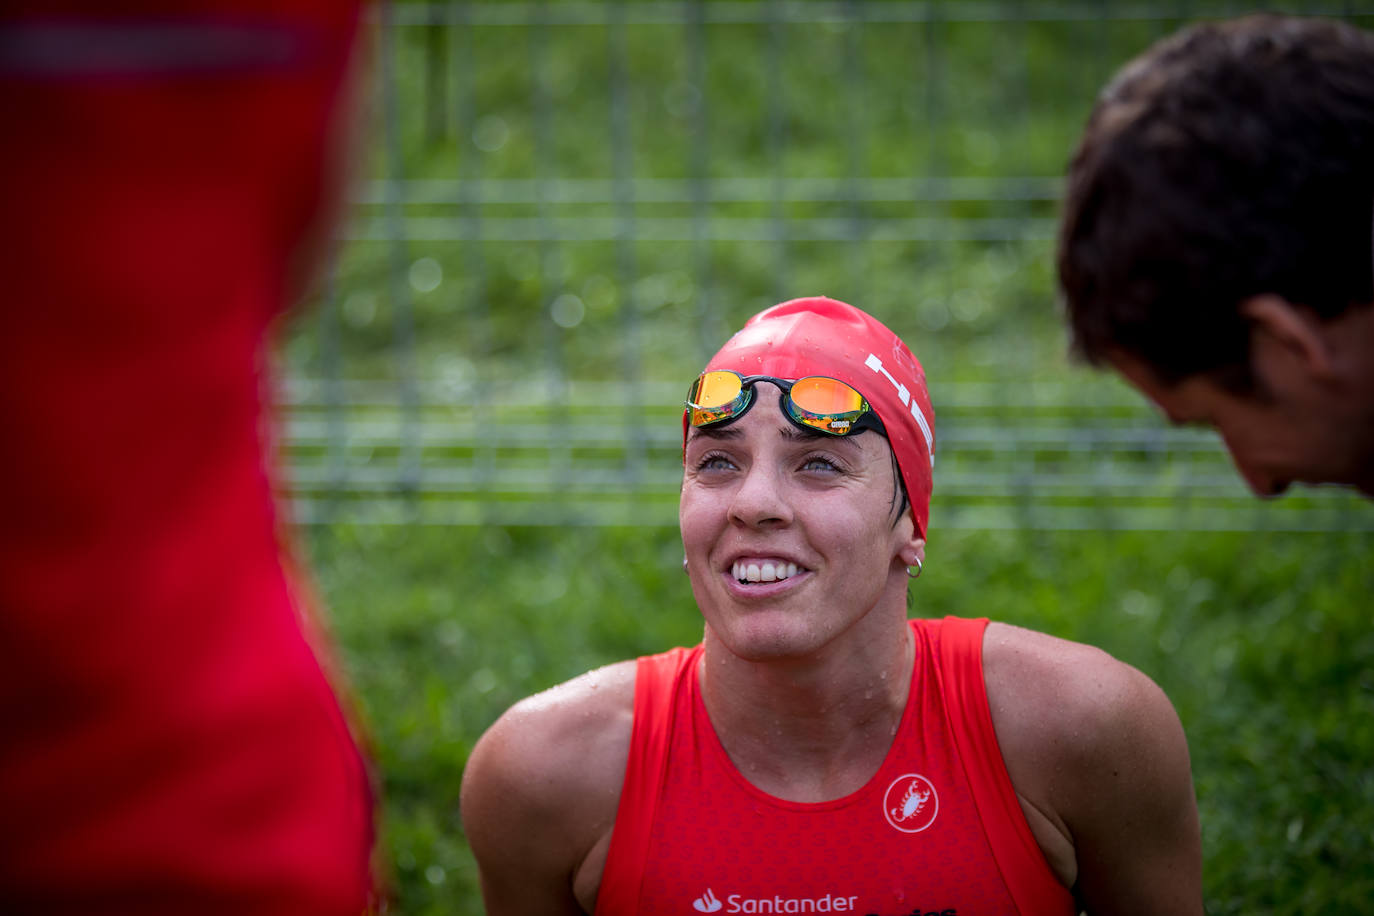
(169, 739)
(937, 831)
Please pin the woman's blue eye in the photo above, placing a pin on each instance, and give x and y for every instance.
(816, 463)
(713, 462)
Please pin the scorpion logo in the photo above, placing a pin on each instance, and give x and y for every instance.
(910, 803)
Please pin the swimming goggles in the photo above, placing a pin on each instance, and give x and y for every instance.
(817, 403)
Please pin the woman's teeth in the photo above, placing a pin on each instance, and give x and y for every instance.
(763, 572)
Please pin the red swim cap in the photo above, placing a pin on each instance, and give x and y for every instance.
(819, 336)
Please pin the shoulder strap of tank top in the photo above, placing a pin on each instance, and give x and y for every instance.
(1019, 858)
(656, 681)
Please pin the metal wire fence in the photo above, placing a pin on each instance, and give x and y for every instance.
(569, 206)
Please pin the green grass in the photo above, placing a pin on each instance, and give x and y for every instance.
(1262, 641)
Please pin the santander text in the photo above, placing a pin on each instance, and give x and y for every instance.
(830, 903)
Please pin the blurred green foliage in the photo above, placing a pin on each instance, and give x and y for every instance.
(982, 100)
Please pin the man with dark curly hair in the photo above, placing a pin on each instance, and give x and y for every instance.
(1215, 247)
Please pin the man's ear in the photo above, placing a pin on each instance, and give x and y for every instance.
(1284, 333)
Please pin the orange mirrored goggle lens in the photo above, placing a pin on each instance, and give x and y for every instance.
(717, 396)
(715, 389)
(826, 397)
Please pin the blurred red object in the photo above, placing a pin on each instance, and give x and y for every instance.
(169, 739)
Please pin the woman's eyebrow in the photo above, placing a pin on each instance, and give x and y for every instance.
(794, 434)
(715, 432)
(787, 431)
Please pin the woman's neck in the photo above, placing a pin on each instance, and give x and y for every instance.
(815, 728)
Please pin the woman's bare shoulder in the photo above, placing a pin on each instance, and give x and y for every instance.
(1064, 689)
(1099, 761)
(542, 786)
(575, 735)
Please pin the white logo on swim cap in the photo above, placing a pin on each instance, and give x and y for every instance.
(904, 394)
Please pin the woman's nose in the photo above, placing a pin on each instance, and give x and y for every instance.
(761, 499)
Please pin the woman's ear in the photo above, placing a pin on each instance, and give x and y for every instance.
(914, 552)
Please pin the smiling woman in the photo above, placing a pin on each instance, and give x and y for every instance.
(817, 744)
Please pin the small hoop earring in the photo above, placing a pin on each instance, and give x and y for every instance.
(917, 573)
(684, 564)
